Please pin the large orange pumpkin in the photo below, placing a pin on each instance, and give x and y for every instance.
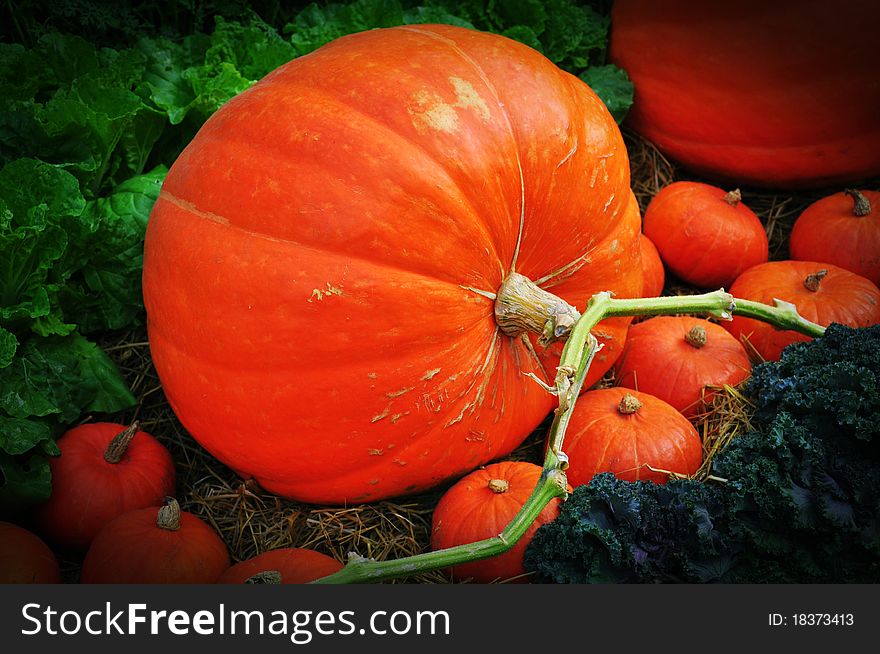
(780, 93)
(322, 263)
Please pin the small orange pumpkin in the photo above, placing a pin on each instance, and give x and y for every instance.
(823, 293)
(156, 545)
(104, 470)
(674, 358)
(652, 268)
(634, 435)
(25, 558)
(293, 565)
(479, 506)
(843, 229)
(705, 235)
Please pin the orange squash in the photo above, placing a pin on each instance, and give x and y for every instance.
(704, 235)
(823, 293)
(480, 506)
(634, 435)
(751, 92)
(104, 470)
(25, 558)
(155, 545)
(293, 565)
(323, 264)
(843, 229)
(652, 268)
(675, 358)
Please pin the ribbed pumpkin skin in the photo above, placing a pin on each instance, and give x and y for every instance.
(828, 230)
(311, 261)
(88, 492)
(701, 237)
(25, 558)
(297, 566)
(659, 360)
(132, 550)
(842, 297)
(602, 439)
(471, 511)
(772, 94)
(652, 268)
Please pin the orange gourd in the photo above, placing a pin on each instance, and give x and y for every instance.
(843, 229)
(823, 293)
(634, 435)
(652, 268)
(104, 470)
(675, 358)
(773, 94)
(325, 260)
(156, 545)
(479, 506)
(25, 558)
(705, 236)
(292, 565)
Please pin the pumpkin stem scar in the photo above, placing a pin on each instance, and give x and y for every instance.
(522, 306)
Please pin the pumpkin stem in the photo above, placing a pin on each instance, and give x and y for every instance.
(265, 577)
(629, 404)
(696, 337)
(498, 485)
(169, 515)
(734, 197)
(119, 445)
(861, 205)
(813, 280)
(522, 306)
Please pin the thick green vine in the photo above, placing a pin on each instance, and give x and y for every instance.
(577, 355)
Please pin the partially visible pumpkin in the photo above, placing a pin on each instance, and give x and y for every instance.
(823, 293)
(104, 470)
(481, 505)
(675, 358)
(324, 261)
(774, 94)
(705, 235)
(843, 229)
(652, 268)
(294, 565)
(156, 545)
(25, 558)
(632, 434)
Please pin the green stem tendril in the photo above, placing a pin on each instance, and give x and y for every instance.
(577, 355)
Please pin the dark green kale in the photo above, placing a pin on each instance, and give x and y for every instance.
(801, 502)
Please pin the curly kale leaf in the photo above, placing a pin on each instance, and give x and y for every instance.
(613, 531)
(831, 385)
(801, 502)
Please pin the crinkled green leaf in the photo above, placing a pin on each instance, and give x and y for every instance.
(107, 293)
(18, 436)
(508, 13)
(317, 25)
(61, 377)
(574, 34)
(8, 346)
(163, 82)
(613, 86)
